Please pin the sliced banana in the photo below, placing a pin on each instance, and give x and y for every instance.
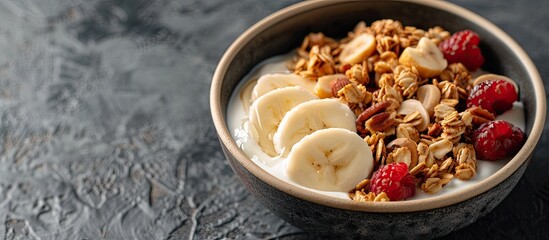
(332, 159)
(323, 89)
(269, 82)
(268, 110)
(426, 57)
(358, 49)
(308, 117)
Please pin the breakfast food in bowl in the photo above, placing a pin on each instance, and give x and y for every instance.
(380, 114)
(407, 94)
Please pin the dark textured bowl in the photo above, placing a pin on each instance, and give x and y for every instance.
(431, 217)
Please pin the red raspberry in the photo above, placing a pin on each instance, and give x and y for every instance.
(395, 180)
(496, 96)
(497, 139)
(463, 47)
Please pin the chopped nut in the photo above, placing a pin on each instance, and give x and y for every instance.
(380, 122)
(424, 138)
(368, 113)
(440, 148)
(480, 115)
(434, 130)
(429, 96)
(338, 84)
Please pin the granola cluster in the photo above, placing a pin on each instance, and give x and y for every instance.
(404, 117)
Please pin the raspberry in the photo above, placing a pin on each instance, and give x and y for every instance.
(395, 180)
(496, 96)
(497, 139)
(463, 47)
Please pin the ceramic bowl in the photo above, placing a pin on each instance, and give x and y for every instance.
(284, 30)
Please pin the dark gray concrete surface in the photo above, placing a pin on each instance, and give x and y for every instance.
(106, 130)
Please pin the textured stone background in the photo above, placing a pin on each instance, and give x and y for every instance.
(106, 131)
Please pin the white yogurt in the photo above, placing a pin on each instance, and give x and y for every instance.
(237, 121)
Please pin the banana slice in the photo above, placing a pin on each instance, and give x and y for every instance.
(308, 117)
(269, 82)
(323, 89)
(358, 49)
(332, 159)
(268, 110)
(426, 57)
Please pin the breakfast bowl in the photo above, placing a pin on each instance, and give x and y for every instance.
(429, 217)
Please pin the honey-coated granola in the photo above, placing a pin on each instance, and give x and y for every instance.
(376, 86)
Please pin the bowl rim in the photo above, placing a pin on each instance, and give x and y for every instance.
(380, 207)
